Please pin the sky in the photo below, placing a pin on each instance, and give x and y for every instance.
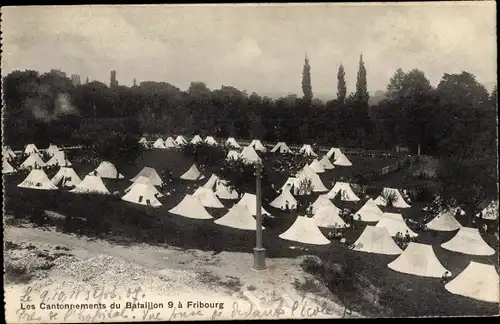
(258, 48)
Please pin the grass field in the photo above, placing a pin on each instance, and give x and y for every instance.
(125, 222)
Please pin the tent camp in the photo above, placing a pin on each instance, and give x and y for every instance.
(304, 230)
(232, 155)
(180, 140)
(316, 166)
(37, 179)
(149, 173)
(341, 160)
(210, 184)
(31, 149)
(316, 183)
(326, 164)
(281, 147)
(170, 143)
(32, 162)
(66, 177)
(320, 202)
(91, 184)
(106, 170)
(250, 201)
(52, 149)
(445, 221)
(489, 212)
(211, 141)
(208, 198)
(333, 153)
(307, 150)
(376, 240)
(394, 194)
(142, 194)
(8, 153)
(231, 142)
(478, 281)
(345, 191)
(159, 143)
(191, 207)
(370, 212)
(223, 191)
(294, 186)
(6, 167)
(394, 223)
(328, 216)
(144, 180)
(58, 158)
(468, 241)
(249, 155)
(419, 260)
(284, 199)
(238, 217)
(257, 145)
(193, 174)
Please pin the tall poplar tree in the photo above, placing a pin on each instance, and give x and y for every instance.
(306, 81)
(341, 85)
(361, 83)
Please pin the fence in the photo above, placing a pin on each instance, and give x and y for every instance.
(400, 164)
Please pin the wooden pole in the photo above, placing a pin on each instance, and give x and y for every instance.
(259, 251)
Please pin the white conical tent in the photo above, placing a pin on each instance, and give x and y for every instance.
(31, 149)
(320, 202)
(419, 260)
(305, 230)
(159, 143)
(445, 221)
(281, 201)
(294, 186)
(223, 191)
(326, 164)
(191, 207)
(180, 140)
(341, 159)
(211, 141)
(328, 216)
(58, 158)
(478, 281)
(8, 153)
(332, 152)
(143, 140)
(151, 174)
(52, 149)
(468, 241)
(316, 183)
(257, 145)
(398, 200)
(250, 201)
(490, 212)
(106, 170)
(394, 223)
(249, 155)
(144, 180)
(7, 168)
(170, 143)
(281, 147)
(345, 191)
(307, 150)
(232, 155)
(196, 140)
(142, 194)
(33, 161)
(208, 198)
(91, 184)
(370, 212)
(211, 181)
(67, 177)
(37, 179)
(193, 174)
(231, 142)
(316, 166)
(238, 217)
(376, 240)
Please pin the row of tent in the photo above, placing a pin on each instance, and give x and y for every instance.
(34, 159)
